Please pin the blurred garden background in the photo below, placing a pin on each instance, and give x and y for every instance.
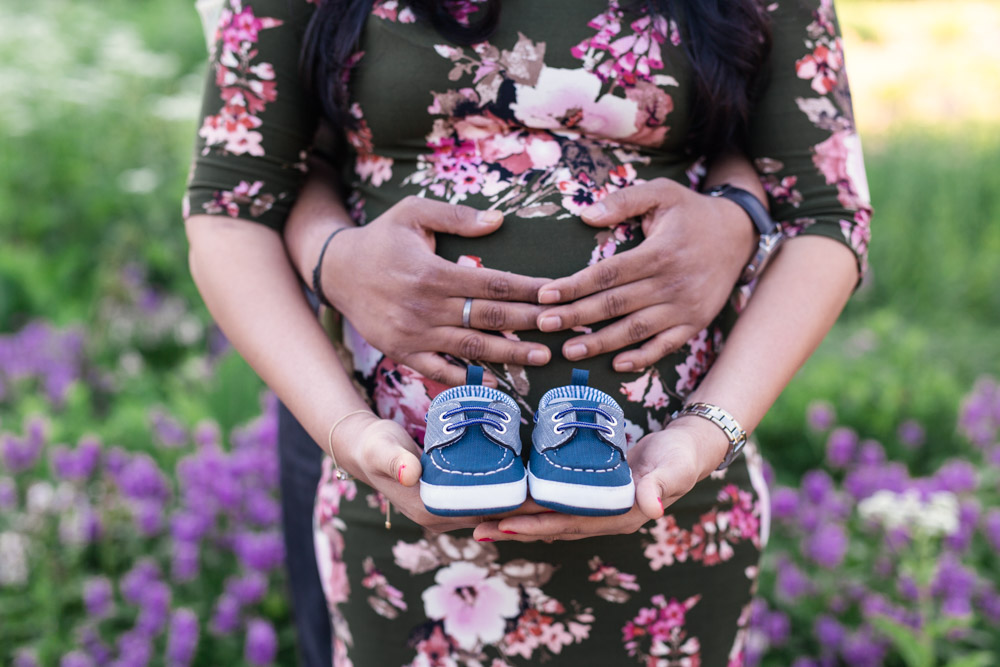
(138, 513)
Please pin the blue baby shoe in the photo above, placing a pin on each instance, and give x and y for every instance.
(577, 464)
(472, 451)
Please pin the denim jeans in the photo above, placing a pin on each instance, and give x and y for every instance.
(300, 464)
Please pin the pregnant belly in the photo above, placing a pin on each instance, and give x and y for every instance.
(540, 247)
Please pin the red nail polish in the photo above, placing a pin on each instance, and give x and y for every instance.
(660, 500)
(485, 539)
(509, 532)
(399, 475)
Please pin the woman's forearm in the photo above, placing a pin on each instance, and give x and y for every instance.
(250, 288)
(795, 304)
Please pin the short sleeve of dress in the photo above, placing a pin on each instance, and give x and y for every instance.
(256, 120)
(802, 135)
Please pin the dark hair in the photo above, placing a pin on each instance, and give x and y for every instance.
(727, 42)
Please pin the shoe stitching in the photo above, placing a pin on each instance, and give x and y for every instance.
(562, 467)
(471, 474)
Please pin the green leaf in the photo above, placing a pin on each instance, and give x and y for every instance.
(982, 659)
(912, 647)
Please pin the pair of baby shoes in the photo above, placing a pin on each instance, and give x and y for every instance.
(472, 462)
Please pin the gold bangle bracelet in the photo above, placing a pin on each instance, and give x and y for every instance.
(342, 474)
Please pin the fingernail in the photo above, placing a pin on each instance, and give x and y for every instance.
(490, 218)
(596, 212)
(399, 475)
(550, 323)
(509, 532)
(538, 357)
(549, 296)
(485, 539)
(624, 366)
(575, 351)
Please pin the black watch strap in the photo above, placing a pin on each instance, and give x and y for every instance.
(749, 203)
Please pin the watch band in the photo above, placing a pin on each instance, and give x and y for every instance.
(749, 203)
(721, 418)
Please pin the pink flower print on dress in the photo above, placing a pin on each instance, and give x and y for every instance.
(663, 627)
(822, 66)
(841, 162)
(571, 99)
(404, 395)
(698, 361)
(473, 605)
(390, 11)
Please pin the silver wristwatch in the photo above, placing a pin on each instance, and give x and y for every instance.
(721, 418)
(771, 237)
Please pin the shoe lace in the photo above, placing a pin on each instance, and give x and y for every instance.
(453, 426)
(604, 428)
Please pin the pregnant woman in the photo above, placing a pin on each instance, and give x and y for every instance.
(557, 149)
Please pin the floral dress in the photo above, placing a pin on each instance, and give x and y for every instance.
(567, 101)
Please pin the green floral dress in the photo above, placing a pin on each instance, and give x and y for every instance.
(568, 101)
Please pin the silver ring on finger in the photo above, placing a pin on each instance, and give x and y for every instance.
(467, 314)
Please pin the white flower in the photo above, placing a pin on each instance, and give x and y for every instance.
(13, 558)
(936, 516)
(39, 498)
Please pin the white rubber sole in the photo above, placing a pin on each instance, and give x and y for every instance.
(602, 498)
(473, 498)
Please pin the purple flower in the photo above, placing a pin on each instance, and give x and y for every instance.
(8, 493)
(777, 628)
(908, 588)
(958, 606)
(142, 479)
(206, 434)
(154, 607)
(226, 617)
(817, 485)
(182, 639)
(957, 476)
(115, 461)
(968, 516)
(872, 453)
(828, 545)
(805, 662)
(148, 517)
(262, 642)
(988, 603)
(25, 658)
(911, 433)
(979, 417)
(784, 503)
(134, 650)
(820, 415)
(828, 631)
(135, 581)
(20, 454)
(991, 528)
(76, 659)
(93, 645)
(97, 596)
(76, 464)
(262, 509)
(247, 589)
(809, 518)
(169, 432)
(259, 551)
(841, 447)
(792, 583)
(954, 582)
(862, 649)
(184, 564)
(190, 526)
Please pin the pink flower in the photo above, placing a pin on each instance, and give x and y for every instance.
(821, 66)
(840, 160)
(473, 605)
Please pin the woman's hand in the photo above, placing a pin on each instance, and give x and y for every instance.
(381, 454)
(665, 290)
(408, 302)
(665, 466)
